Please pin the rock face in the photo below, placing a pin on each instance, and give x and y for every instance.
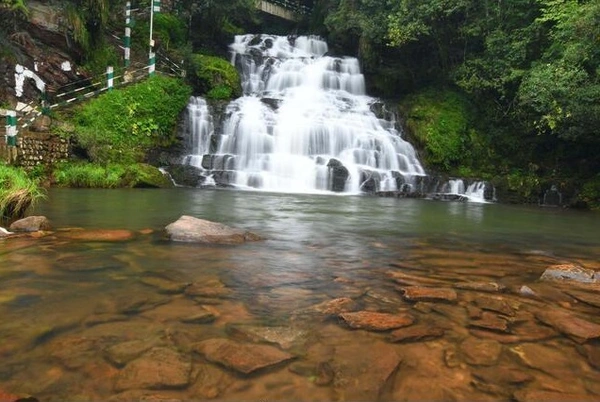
(31, 224)
(244, 358)
(193, 230)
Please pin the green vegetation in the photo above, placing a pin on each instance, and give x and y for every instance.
(441, 123)
(90, 175)
(121, 126)
(17, 192)
(215, 77)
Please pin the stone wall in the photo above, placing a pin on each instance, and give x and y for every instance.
(35, 148)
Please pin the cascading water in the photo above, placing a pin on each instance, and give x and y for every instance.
(304, 124)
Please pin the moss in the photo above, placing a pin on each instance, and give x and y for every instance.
(114, 175)
(440, 121)
(590, 193)
(215, 77)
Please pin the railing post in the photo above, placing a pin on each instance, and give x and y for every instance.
(127, 38)
(11, 135)
(110, 74)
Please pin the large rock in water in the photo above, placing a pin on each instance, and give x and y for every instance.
(194, 230)
(31, 224)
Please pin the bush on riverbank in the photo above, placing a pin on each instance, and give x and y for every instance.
(17, 192)
(113, 175)
(122, 125)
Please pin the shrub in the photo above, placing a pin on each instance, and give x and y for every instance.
(17, 192)
(123, 124)
(215, 77)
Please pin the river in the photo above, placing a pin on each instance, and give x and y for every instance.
(133, 319)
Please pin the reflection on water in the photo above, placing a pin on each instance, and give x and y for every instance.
(138, 319)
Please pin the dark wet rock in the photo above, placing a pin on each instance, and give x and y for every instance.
(194, 230)
(402, 278)
(527, 331)
(481, 286)
(495, 304)
(244, 358)
(420, 293)
(203, 316)
(569, 272)
(164, 285)
(481, 352)
(122, 353)
(576, 328)
(593, 299)
(284, 337)
(339, 174)
(83, 263)
(159, 367)
(373, 321)
(100, 235)
(363, 377)
(534, 395)
(592, 353)
(545, 358)
(211, 381)
(208, 290)
(104, 318)
(331, 307)
(419, 332)
(490, 321)
(136, 304)
(502, 376)
(31, 224)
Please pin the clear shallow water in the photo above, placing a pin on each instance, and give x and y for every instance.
(64, 303)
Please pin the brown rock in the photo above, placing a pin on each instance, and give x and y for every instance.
(122, 353)
(419, 332)
(285, 337)
(244, 358)
(593, 299)
(592, 353)
(480, 352)
(490, 321)
(31, 224)
(420, 293)
(213, 289)
(524, 332)
(332, 307)
(545, 358)
(526, 395)
(502, 375)
(107, 235)
(577, 328)
(481, 286)
(158, 368)
(360, 376)
(164, 285)
(494, 304)
(194, 230)
(373, 321)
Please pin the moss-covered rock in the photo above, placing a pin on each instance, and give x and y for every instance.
(142, 175)
(215, 78)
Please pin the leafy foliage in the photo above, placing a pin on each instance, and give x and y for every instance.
(122, 125)
(112, 175)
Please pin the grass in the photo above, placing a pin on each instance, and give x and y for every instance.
(17, 192)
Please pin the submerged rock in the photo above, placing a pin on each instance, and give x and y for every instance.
(421, 293)
(576, 328)
(376, 321)
(420, 332)
(244, 358)
(193, 230)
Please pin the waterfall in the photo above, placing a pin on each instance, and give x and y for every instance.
(458, 189)
(304, 124)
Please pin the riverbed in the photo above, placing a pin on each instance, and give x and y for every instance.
(326, 307)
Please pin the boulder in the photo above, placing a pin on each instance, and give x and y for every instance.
(569, 272)
(30, 224)
(193, 230)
